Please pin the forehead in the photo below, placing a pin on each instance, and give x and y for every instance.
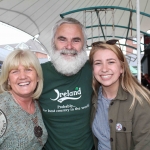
(26, 63)
(105, 54)
(69, 31)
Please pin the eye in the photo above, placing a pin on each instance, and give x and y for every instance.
(13, 71)
(61, 38)
(76, 40)
(111, 62)
(29, 69)
(97, 63)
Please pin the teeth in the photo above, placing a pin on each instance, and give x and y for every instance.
(106, 76)
(26, 83)
(69, 54)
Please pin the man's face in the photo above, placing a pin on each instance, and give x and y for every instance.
(68, 54)
(69, 37)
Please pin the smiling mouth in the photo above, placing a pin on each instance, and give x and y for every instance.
(24, 84)
(69, 52)
(105, 76)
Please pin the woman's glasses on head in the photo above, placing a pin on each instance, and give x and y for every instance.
(111, 42)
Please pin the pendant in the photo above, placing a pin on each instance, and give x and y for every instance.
(38, 131)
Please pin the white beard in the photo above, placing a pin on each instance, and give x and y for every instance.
(71, 65)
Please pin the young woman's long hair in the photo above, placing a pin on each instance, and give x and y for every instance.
(128, 82)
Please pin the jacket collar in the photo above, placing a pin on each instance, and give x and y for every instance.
(121, 95)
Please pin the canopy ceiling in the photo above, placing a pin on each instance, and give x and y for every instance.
(104, 19)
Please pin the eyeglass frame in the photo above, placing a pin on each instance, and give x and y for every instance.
(110, 42)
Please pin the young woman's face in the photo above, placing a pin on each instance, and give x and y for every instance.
(107, 68)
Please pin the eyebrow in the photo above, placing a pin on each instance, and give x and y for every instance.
(111, 59)
(106, 59)
(59, 37)
(75, 38)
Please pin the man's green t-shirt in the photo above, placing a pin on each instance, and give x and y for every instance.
(66, 105)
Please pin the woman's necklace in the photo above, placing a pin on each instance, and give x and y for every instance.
(38, 132)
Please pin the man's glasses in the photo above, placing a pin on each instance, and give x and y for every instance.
(111, 42)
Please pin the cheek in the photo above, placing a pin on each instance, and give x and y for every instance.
(95, 70)
(78, 46)
(34, 78)
(81, 46)
(58, 45)
(10, 79)
(121, 69)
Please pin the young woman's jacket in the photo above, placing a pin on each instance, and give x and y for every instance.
(129, 130)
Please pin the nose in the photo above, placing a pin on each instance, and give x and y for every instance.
(69, 45)
(22, 74)
(104, 67)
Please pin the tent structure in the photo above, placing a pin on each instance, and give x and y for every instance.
(3, 54)
(31, 45)
(103, 19)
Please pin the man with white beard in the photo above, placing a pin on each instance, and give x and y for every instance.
(66, 98)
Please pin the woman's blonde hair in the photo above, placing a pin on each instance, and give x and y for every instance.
(25, 58)
(128, 82)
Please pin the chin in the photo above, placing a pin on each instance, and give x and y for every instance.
(68, 57)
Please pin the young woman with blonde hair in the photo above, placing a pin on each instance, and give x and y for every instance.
(121, 105)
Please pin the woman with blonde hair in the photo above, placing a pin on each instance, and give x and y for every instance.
(21, 82)
(120, 117)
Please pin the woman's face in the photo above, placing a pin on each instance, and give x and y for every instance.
(107, 68)
(23, 81)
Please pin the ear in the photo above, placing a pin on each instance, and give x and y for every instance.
(8, 82)
(38, 79)
(122, 69)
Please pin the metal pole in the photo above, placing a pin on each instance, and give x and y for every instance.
(84, 18)
(105, 24)
(113, 22)
(92, 26)
(138, 41)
